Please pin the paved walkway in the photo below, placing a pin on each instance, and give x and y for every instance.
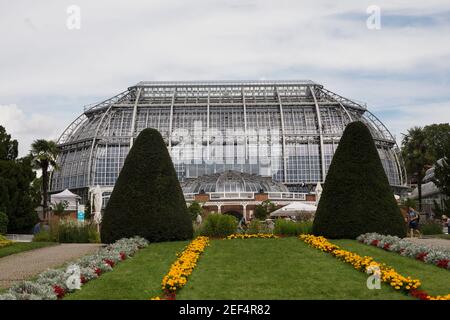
(441, 243)
(24, 265)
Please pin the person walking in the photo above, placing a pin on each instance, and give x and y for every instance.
(413, 218)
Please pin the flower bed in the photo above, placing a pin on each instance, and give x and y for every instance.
(252, 236)
(368, 264)
(438, 257)
(180, 270)
(55, 283)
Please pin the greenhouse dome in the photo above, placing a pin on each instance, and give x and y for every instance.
(283, 131)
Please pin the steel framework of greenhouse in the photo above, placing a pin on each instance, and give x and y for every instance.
(307, 118)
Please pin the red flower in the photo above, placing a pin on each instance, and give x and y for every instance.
(123, 256)
(98, 271)
(420, 294)
(386, 246)
(421, 256)
(401, 250)
(60, 292)
(168, 295)
(374, 242)
(83, 279)
(443, 263)
(109, 262)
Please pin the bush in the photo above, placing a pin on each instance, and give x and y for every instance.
(147, 199)
(255, 226)
(67, 231)
(3, 223)
(43, 236)
(292, 228)
(357, 197)
(431, 228)
(218, 225)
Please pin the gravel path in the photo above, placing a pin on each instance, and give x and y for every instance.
(20, 266)
(440, 243)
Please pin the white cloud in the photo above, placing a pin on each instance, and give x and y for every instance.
(123, 42)
(27, 127)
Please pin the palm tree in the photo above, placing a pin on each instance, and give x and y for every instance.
(416, 156)
(44, 153)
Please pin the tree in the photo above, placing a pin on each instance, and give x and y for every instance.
(264, 209)
(194, 210)
(442, 181)
(147, 199)
(44, 153)
(8, 147)
(60, 208)
(416, 156)
(357, 197)
(437, 141)
(16, 201)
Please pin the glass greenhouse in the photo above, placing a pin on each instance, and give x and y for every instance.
(275, 133)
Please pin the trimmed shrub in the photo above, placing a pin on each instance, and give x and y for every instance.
(431, 228)
(292, 228)
(3, 222)
(357, 197)
(147, 199)
(218, 225)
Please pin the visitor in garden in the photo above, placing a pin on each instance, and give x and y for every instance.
(413, 221)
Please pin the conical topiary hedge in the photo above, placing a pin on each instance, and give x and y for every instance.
(357, 197)
(147, 199)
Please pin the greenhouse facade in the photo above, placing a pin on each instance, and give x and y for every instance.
(226, 137)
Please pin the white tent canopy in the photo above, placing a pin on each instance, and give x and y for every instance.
(293, 209)
(66, 195)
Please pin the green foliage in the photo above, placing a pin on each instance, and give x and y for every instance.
(411, 203)
(60, 207)
(442, 181)
(264, 209)
(431, 228)
(257, 226)
(292, 228)
(147, 199)
(8, 147)
(357, 197)
(194, 210)
(87, 210)
(16, 201)
(43, 236)
(3, 223)
(44, 154)
(69, 231)
(218, 225)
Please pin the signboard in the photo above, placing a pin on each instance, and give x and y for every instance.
(80, 214)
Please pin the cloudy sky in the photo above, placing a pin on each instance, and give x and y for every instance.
(48, 72)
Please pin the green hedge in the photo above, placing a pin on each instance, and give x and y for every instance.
(292, 228)
(3, 223)
(357, 197)
(69, 232)
(431, 228)
(218, 225)
(147, 199)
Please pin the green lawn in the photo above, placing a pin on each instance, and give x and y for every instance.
(259, 269)
(136, 278)
(435, 281)
(276, 269)
(17, 247)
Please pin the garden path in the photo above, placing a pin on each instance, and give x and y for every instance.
(20, 266)
(435, 243)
